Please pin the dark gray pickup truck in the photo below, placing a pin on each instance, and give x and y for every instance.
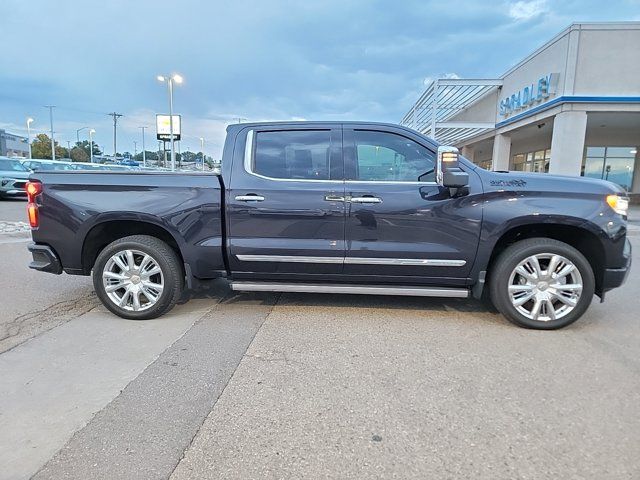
(339, 207)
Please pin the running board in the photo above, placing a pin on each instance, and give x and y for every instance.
(411, 291)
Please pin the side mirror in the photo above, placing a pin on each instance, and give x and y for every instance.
(449, 174)
(455, 179)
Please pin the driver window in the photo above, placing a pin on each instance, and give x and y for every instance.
(384, 156)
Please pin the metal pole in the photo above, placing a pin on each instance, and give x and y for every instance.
(69, 149)
(78, 133)
(173, 147)
(53, 144)
(135, 149)
(115, 123)
(144, 154)
(91, 145)
(202, 151)
(29, 120)
(434, 109)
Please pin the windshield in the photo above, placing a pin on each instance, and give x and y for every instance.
(12, 165)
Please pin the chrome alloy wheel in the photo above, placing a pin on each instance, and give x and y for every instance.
(133, 280)
(545, 287)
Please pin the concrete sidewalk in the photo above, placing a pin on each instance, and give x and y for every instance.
(53, 384)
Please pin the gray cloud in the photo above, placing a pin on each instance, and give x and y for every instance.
(266, 59)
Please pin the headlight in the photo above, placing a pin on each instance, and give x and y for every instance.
(5, 181)
(619, 204)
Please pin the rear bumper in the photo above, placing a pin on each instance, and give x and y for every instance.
(615, 277)
(45, 259)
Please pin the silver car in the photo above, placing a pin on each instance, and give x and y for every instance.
(13, 177)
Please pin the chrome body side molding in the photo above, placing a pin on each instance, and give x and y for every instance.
(289, 258)
(427, 262)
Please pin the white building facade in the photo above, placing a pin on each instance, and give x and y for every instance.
(572, 107)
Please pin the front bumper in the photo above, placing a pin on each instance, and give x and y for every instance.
(45, 259)
(615, 277)
(11, 187)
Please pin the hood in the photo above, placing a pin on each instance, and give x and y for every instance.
(15, 174)
(547, 183)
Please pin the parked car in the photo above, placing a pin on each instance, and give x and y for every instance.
(47, 165)
(13, 177)
(360, 208)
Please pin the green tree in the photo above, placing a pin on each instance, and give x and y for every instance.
(41, 147)
(153, 156)
(81, 151)
(79, 155)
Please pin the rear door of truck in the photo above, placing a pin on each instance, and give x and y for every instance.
(285, 201)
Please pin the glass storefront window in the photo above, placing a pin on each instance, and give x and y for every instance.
(537, 161)
(615, 164)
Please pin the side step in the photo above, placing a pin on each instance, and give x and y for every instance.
(410, 291)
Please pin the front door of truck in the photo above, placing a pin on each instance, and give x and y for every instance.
(400, 224)
(285, 202)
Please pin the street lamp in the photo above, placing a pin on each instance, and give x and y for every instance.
(202, 151)
(91, 132)
(171, 79)
(78, 133)
(29, 122)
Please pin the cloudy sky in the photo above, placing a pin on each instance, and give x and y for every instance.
(256, 60)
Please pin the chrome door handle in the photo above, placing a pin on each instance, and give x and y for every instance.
(334, 198)
(366, 200)
(250, 198)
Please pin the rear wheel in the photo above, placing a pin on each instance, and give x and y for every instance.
(542, 283)
(138, 277)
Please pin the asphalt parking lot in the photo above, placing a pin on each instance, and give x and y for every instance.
(308, 386)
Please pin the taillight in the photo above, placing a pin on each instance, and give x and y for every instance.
(32, 210)
(33, 190)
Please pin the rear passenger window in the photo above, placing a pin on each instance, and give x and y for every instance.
(293, 154)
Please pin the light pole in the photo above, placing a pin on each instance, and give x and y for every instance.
(69, 148)
(29, 122)
(144, 154)
(78, 133)
(135, 149)
(202, 151)
(170, 79)
(53, 143)
(91, 132)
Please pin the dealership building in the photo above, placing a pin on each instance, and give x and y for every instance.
(13, 145)
(572, 107)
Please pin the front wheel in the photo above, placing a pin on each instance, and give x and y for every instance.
(138, 277)
(542, 283)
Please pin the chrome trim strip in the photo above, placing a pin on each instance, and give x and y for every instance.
(423, 262)
(388, 182)
(248, 151)
(412, 291)
(289, 258)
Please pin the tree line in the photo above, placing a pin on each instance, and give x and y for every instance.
(80, 152)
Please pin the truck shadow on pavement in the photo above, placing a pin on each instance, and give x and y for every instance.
(219, 290)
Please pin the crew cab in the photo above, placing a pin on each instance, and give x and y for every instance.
(343, 207)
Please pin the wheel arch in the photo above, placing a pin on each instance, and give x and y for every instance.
(103, 233)
(583, 239)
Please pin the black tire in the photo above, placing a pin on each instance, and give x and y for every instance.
(509, 259)
(165, 258)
